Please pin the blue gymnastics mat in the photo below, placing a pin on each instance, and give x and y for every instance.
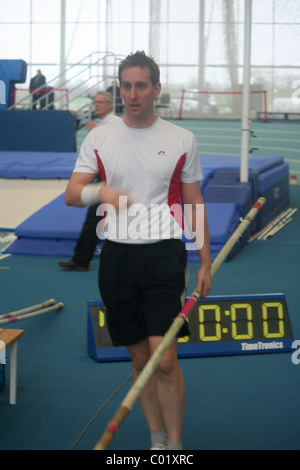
(37, 165)
(268, 177)
(46, 165)
(55, 220)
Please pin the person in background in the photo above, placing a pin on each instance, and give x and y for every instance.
(88, 239)
(36, 82)
(103, 103)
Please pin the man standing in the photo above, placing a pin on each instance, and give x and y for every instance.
(145, 163)
(88, 239)
(36, 82)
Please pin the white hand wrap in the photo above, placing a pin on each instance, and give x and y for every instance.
(89, 194)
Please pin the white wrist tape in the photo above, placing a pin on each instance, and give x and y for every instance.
(89, 194)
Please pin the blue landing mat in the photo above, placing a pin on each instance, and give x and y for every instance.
(55, 220)
(54, 229)
(258, 164)
(268, 177)
(37, 165)
(43, 165)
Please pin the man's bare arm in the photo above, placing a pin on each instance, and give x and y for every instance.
(80, 192)
(191, 196)
(75, 186)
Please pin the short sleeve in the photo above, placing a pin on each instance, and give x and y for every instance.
(191, 171)
(87, 160)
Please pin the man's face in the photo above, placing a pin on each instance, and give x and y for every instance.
(102, 106)
(138, 93)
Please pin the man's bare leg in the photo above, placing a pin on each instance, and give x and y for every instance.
(170, 390)
(162, 399)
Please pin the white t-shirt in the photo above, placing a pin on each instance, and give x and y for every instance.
(148, 166)
(111, 117)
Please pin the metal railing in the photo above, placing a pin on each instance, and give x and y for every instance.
(82, 79)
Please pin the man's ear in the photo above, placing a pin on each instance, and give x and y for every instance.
(157, 89)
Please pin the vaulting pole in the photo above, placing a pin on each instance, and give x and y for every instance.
(134, 392)
(29, 312)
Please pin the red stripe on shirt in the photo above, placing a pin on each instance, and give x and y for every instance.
(100, 166)
(102, 173)
(175, 191)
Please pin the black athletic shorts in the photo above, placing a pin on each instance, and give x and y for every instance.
(142, 288)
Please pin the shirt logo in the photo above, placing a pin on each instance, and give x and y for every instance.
(161, 153)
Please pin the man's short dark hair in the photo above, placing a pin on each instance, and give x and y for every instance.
(140, 59)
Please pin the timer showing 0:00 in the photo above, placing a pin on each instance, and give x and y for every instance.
(250, 319)
(219, 325)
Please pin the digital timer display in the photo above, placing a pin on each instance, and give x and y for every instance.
(233, 320)
(218, 326)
